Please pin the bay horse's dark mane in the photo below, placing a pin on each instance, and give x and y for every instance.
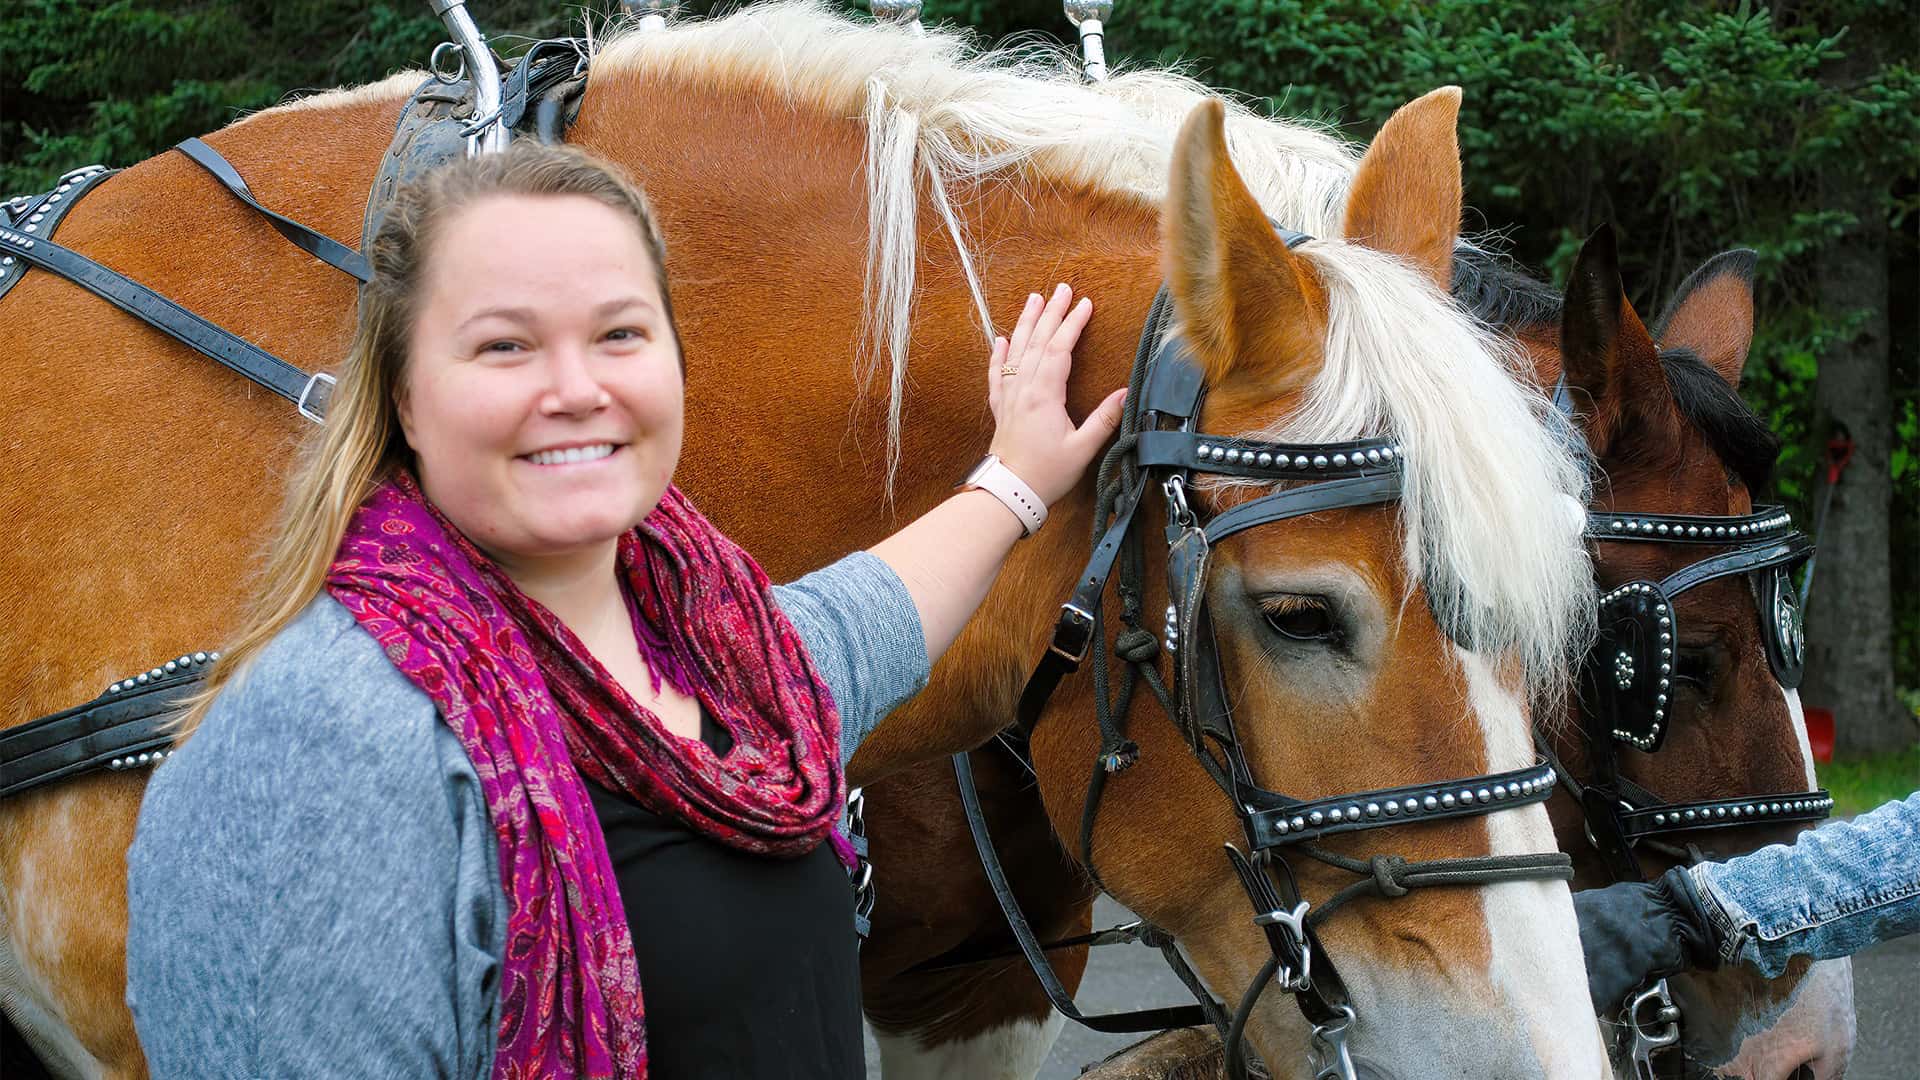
(1736, 434)
(1500, 294)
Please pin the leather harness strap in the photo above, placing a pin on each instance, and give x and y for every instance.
(319, 245)
(236, 353)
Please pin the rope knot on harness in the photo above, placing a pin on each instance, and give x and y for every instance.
(1121, 758)
(1136, 645)
(1389, 874)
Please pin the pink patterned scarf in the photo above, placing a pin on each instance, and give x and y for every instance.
(537, 712)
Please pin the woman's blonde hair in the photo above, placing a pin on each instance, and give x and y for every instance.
(361, 442)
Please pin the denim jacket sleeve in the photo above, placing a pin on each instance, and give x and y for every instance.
(864, 634)
(1835, 891)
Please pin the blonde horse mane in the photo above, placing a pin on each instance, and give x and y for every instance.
(939, 108)
(1488, 537)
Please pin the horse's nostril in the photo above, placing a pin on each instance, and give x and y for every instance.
(1804, 1072)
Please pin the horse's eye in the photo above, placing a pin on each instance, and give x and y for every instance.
(1696, 667)
(1302, 618)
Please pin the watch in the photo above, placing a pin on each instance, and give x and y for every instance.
(992, 476)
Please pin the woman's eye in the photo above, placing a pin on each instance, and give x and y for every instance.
(1302, 618)
(500, 347)
(629, 333)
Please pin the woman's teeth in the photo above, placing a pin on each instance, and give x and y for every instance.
(571, 455)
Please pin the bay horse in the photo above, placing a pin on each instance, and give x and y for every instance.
(829, 192)
(1667, 434)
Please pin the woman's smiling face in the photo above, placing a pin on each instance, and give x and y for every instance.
(543, 397)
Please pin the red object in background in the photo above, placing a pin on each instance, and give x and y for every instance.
(1820, 734)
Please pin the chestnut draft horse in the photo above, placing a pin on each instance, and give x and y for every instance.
(823, 185)
(1667, 434)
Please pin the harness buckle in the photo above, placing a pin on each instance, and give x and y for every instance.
(1665, 1022)
(1177, 507)
(1073, 634)
(312, 404)
(1293, 923)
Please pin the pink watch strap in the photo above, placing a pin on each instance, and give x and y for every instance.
(994, 478)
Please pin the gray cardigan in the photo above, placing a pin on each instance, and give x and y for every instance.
(313, 887)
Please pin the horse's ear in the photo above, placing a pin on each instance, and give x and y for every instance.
(1406, 194)
(1712, 314)
(1231, 274)
(1605, 352)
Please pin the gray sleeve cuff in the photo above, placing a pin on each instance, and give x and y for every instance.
(861, 628)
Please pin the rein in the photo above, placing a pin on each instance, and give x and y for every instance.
(1159, 448)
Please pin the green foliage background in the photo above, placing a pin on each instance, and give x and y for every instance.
(1692, 126)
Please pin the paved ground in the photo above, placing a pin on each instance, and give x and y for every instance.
(1886, 993)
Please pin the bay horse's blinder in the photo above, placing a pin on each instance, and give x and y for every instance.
(1626, 679)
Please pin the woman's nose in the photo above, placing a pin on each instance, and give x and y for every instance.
(572, 387)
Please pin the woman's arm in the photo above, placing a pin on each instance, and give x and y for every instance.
(1834, 891)
(949, 557)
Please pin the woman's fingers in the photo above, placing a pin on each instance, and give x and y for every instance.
(1023, 330)
(1043, 329)
(1101, 424)
(1056, 355)
(995, 358)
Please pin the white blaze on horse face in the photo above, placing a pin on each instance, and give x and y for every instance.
(1799, 719)
(1537, 973)
(1014, 1051)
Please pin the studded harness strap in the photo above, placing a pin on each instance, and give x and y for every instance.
(1159, 449)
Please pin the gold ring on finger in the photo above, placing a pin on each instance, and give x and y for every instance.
(1009, 369)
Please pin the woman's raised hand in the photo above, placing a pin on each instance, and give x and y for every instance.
(1027, 391)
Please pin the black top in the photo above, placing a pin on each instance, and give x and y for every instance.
(748, 965)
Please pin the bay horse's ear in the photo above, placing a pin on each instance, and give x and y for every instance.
(1233, 278)
(1606, 355)
(1712, 314)
(1406, 194)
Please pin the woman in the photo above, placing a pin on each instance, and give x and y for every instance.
(518, 766)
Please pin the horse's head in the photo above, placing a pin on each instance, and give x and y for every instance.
(1670, 435)
(1365, 647)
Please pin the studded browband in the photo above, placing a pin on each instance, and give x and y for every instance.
(1764, 522)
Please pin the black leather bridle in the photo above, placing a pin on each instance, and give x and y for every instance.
(1626, 680)
(1160, 451)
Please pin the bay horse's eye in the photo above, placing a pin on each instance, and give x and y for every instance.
(1301, 618)
(1695, 667)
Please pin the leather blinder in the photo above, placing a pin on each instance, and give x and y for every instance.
(1627, 676)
